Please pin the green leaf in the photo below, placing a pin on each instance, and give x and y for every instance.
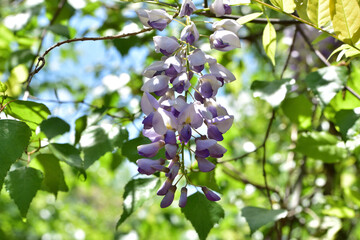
(95, 143)
(129, 148)
(60, 30)
(3, 87)
(54, 126)
(322, 146)
(258, 217)
(273, 92)
(298, 110)
(345, 119)
(287, 6)
(67, 153)
(326, 82)
(202, 213)
(53, 174)
(137, 191)
(32, 113)
(80, 126)
(269, 41)
(339, 212)
(318, 12)
(14, 138)
(248, 18)
(301, 9)
(22, 184)
(206, 179)
(21, 56)
(345, 17)
(121, 137)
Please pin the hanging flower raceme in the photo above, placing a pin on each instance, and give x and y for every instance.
(180, 97)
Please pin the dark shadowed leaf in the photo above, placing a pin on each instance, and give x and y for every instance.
(67, 153)
(54, 126)
(14, 138)
(22, 184)
(345, 119)
(53, 174)
(137, 191)
(60, 30)
(257, 217)
(202, 213)
(206, 179)
(298, 110)
(80, 125)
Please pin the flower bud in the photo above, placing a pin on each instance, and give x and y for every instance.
(187, 8)
(210, 195)
(158, 85)
(227, 24)
(220, 8)
(183, 197)
(190, 34)
(165, 45)
(169, 197)
(165, 187)
(151, 149)
(204, 165)
(197, 60)
(157, 18)
(149, 166)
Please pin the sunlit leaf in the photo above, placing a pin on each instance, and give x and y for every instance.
(14, 138)
(202, 213)
(269, 41)
(345, 17)
(22, 184)
(322, 146)
(287, 6)
(248, 18)
(80, 126)
(326, 82)
(273, 92)
(129, 148)
(32, 113)
(258, 217)
(318, 12)
(137, 191)
(54, 126)
(339, 212)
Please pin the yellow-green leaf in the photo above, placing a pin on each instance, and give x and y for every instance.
(318, 12)
(287, 6)
(248, 18)
(269, 41)
(345, 17)
(301, 9)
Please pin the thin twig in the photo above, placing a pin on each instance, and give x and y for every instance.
(41, 60)
(317, 52)
(289, 55)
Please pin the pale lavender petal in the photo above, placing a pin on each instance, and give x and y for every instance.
(205, 165)
(169, 197)
(156, 84)
(151, 149)
(165, 45)
(164, 120)
(174, 170)
(227, 24)
(154, 69)
(171, 150)
(190, 34)
(210, 195)
(187, 8)
(223, 123)
(148, 103)
(224, 40)
(217, 7)
(217, 151)
(183, 197)
(147, 122)
(214, 133)
(152, 135)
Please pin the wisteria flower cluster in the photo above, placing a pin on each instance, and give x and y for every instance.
(177, 107)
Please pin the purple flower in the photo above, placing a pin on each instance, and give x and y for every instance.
(169, 197)
(148, 103)
(157, 18)
(190, 115)
(165, 45)
(185, 133)
(227, 24)
(158, 85)
(150, 150)
(217, 151)
(214, 133)
(181, 82)
(220, 8)
(197, 60)
(170, 150)
(190, 34)
(221, 73)
(183, 197)
(165, 187)
(152, 135)
(208, 85)
(223, 123)
(164, 120)
(156, 68)
(149, 166)
(210, 195)
(224, 40)
(187, 8)
(174, 169)
(204, 165)
(174, 66)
